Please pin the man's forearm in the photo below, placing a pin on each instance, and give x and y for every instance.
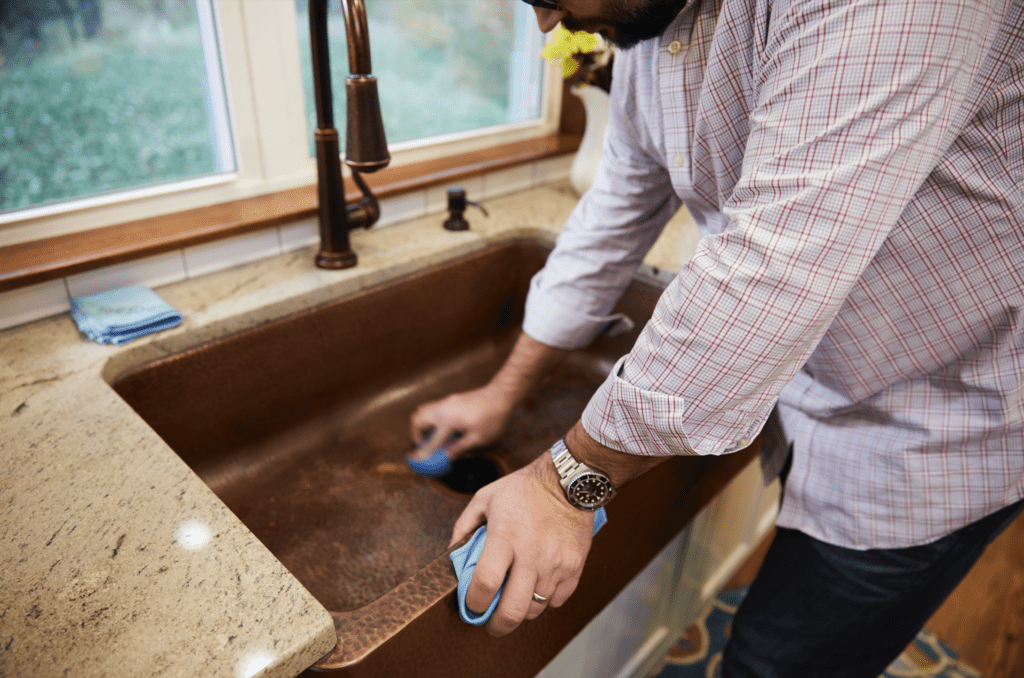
(620, 467)
(529, 361)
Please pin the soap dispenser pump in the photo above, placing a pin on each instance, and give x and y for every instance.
(456, 206)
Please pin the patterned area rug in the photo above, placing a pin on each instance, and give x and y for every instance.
(698, 652)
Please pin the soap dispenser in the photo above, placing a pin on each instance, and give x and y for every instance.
(456, 206)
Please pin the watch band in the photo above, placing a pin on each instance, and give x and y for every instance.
(565, 463)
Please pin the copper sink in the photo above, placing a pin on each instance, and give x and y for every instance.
(300, 426)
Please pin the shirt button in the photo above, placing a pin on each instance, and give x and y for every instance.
(678, 160)
(675, 47)
(742, 442)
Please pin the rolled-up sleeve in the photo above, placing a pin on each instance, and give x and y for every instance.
(855, 104)
(604, 240)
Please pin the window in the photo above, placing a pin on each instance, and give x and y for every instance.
(117, 110)
(100, 97)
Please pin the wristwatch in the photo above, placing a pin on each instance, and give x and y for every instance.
(585, 488)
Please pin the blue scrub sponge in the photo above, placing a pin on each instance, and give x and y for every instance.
(436, 465)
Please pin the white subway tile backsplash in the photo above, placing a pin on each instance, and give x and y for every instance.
(300, 234)
(51, 298)
(437, 196)
(402, 208)
(33, 302)
(552, 169)
(160, 269)
(221, 254)
(508, 180)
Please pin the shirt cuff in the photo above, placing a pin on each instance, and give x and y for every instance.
(645, 423)
(561, 325)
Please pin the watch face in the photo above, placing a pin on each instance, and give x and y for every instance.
(589, 491)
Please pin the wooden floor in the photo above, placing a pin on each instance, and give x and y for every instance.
(983, 619)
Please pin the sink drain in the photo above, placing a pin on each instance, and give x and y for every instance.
(469, 474)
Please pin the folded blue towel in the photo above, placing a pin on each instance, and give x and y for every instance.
(120, 315)
(465, 559)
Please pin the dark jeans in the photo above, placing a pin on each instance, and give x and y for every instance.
(817, 610)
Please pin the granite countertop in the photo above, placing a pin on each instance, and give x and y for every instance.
(116, 558)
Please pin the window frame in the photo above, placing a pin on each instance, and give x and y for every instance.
(265, 101)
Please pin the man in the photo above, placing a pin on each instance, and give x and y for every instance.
(855, 169)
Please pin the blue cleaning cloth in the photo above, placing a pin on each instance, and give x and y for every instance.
(465, 559)
(436, 465)
(124, 314)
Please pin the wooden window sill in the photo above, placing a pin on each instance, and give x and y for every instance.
(52, 258)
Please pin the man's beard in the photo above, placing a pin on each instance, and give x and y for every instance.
(632, 23)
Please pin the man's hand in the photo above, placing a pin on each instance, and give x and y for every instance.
(473, 418)
(461, 421)
(534, 535)
(532, 529)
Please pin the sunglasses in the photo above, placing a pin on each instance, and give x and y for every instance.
(544, 4)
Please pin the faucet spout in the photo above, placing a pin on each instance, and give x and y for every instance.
(366, 144)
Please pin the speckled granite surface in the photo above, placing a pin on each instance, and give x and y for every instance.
(115, 559)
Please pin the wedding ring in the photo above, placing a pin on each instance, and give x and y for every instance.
(540, 599)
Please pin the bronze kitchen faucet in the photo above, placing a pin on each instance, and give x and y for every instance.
(366, 148)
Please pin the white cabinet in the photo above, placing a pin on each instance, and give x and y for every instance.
(643, 621)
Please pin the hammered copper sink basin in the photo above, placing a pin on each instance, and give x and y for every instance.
(300, 426)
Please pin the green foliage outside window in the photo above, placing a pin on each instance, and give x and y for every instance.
(82, 115)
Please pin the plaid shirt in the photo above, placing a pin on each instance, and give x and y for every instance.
(856, 168)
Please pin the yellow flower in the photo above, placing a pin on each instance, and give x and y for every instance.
(565, 44)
